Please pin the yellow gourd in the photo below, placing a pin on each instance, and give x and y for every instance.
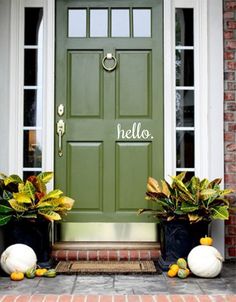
(172, 273)
(174, 267)
(40, 272)
(17, 276)
(206, 241)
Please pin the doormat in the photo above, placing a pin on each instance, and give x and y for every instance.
(112, 267)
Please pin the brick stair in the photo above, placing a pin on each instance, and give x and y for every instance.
(105, 251)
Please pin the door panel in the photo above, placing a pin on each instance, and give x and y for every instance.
(133, 166)
(84, 70)
(114, 120)
(133, 84)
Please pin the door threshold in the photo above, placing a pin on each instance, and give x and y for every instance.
(76, 245)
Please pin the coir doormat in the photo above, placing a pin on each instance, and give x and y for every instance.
(78, 267)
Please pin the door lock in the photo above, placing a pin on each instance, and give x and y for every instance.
(60, 132)
(60, 109)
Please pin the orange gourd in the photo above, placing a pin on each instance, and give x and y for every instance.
(17, 276)
(172, 273)
(206, 240)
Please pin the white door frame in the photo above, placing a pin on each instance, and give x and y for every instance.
(209, 160)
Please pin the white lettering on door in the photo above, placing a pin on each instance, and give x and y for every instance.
(136, 132)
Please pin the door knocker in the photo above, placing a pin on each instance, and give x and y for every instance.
(109, 56)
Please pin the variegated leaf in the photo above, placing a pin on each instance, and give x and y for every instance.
(5, 209)
(52, 195)
(29, 189)
(7, 195)
(188, 207)
(45, 177)
(194, 218)
(204, 184)
(22, 198)
(66, 202)
(208, 193)
(12, 178)
(3, 176)
(50, 215)
(153, 185)
(4, 219)
(18, 207)
(220, 212)
(165, 188)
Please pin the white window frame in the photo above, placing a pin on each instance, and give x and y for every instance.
(209, 156)
(17, 84)
(208, 82)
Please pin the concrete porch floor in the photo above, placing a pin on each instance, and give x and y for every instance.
(122, 288)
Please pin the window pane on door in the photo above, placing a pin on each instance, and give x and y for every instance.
(142, 22)
(76, 23)
(98, 23)
(120, 23)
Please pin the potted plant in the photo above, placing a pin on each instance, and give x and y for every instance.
(184, 209)
(27, 210)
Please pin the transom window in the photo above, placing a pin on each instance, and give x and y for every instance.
(122, 22)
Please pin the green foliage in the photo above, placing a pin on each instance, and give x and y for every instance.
(30, 200)
(192, 200)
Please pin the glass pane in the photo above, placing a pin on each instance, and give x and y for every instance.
(33, 107)
(185, 149)
(33, 25)
(31, 67)
(27, 174)
(32, 148)
(185, 108)
(184, 67)
(98, 22)
(120, 23)
(184, 26)
(77, 23)
(142, 22)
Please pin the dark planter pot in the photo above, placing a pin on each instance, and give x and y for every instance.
(177, 238)
(34, 233)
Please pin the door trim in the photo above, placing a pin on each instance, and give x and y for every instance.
(211, 28)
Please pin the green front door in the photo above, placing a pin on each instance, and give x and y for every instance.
(113, 118)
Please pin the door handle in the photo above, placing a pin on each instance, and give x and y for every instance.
(60, 132)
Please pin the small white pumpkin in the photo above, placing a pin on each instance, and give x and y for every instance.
(18, 258)
(205, 261)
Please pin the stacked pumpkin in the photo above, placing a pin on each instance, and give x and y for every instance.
(19, 261)
(203, 261)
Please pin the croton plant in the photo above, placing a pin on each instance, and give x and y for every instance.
(193, 200)
(29, 199)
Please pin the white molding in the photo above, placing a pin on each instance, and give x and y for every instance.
(216, 106)
(16, 89)
(169, 92)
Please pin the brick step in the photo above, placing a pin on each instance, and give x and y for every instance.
(105, 251)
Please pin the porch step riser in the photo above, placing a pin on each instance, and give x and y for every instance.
(104, 255)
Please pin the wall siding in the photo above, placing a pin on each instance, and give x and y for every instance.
(230, 118)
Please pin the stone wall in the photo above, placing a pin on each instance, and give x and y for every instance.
(230, 119)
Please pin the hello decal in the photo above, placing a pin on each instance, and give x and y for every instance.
(135, 132)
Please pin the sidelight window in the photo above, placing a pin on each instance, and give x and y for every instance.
(184, 90)
(32, 92)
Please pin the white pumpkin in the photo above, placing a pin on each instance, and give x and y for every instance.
(205, 261)
(18, 257)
